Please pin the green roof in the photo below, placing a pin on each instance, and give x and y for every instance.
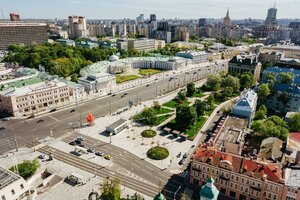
(159, 196)
(22, 83)
(209, 191)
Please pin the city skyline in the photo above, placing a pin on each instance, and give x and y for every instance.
(190, 9)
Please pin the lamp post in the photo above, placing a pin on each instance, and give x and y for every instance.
(176, 192)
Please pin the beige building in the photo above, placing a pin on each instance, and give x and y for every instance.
(141, 44)
(77, 27)
(32, 99)
(288, 50)
(237, 177)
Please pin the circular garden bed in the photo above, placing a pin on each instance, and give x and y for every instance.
(148, 133)
(158, 153)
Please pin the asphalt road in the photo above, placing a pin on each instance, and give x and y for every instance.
(22, 132)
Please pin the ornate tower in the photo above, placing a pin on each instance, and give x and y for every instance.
(209, 190)
(227, 20)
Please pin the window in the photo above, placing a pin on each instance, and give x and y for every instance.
(243, 180)
(22, 186)
(276, 189)
(232, 194)
(246, 190)
(13, 192)
(275, 197)
(237, 178)
(247, 181)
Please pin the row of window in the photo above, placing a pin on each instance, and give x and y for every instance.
(12, 192)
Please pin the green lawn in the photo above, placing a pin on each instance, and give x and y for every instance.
(162, 111)
(193, 131)
(174, 103)
(199, 95)
(161, 119)
(124, 78)
(149, 71)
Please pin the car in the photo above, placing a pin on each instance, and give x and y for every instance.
(156, 79)
(73, 143)
(113, 95)
(77, 141)
(109, 93)
(147, 85)
(81, 145)
(107, 157)
(125, 93)
(42, 156)
(185, 155)
(6, 119)
(73, 110)
(195, 72)
(80, 138)
(53, 110)
(181, 161)
(99, 153)
(40, 121)
(90, 150)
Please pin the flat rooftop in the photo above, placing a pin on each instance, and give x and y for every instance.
(117, 123)
(7, 177)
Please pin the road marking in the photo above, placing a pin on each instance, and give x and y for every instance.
(54, 118)
(175, 171)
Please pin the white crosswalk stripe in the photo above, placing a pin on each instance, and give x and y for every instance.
(175, 171)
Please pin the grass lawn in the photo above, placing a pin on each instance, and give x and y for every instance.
(158, 153)
(199, 95)
(193, 131)
(162, 111)
(149, 71)
(124, 78)
(148, 133)
(174, 103)
(161, 119)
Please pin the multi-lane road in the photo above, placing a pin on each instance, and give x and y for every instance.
(18, 133)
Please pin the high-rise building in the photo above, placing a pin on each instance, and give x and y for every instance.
(271, 17)
(152, 17)
(140, 19)
(163, 26)
(227, 20)
(14, 17)
(77, 27)
(202, 22)
(22, 33)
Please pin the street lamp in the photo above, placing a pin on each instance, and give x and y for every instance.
(176, 192)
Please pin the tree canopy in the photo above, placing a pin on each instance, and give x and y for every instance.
(213, 82)
(231, 81)
(190, 89)
(247, 80)
(294, 122)
(263, 92)
(27, 168)
(185, 116)
(111, 189)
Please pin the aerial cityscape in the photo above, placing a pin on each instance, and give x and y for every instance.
(149, 100)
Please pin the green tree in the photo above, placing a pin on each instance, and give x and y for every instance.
(228, 91)
(283, 97)
(185, 116)
(263, 92)
(200, 107)
(210, 100)
(148, 116)
(27, 168)
(213, 82)
(111, 189)
(190, 89)
(181, 95)
(261, 113)
(156, 105)
(286, 77)
(247, 80)
(294, 122)
(231, 81)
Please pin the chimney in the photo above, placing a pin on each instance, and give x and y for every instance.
(297, 159)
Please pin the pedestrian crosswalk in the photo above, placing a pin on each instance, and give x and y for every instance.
(176, 171)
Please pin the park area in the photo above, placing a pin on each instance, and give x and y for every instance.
(149, 71)
(124, 78)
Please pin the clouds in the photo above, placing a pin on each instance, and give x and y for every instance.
(239, 9)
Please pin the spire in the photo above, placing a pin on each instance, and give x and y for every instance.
(274, 4)
(227, 14)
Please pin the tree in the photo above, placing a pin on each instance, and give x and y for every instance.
(111, 189)
(283, 97)
(263, 92)
(200, 107)
(231, 81)
(213, 82)
(181, 95)
(294, 122)
(156, 105)
(27, 168)
(209, 100)
(148, 116)
(185, 116)
(228, 91)
(261, 113)
(286, 77)
(247, 80)
(190, 89)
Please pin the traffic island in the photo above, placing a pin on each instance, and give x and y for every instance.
(158, 153)
(149, 133)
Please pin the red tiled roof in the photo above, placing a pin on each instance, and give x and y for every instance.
(250, 167)
(295, 136)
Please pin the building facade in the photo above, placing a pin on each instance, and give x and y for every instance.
(77, 27)
(26, 33)
(35, 98)
(195, 56)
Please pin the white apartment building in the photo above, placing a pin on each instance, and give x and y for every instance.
(12, 186)
(32, 99)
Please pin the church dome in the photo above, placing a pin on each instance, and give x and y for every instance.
(159, 196)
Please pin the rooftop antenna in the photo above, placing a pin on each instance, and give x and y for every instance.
(275, 4)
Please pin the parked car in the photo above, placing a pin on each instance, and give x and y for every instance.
(90, 150)
(109, 93)
(73, 143)
(113, 95)
(77, 141)
(185, 155)
(81, 145)
(181, 161)
(99, 153)
(107, 157)
(147, 85)
(53, 110)
(73, 110)
(80, 138)
(6, 119)
(42, 156)
(40, 121)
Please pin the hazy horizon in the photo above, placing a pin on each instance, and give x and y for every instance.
(120, 9)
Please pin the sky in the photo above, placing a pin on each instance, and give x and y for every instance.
(119, 9)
